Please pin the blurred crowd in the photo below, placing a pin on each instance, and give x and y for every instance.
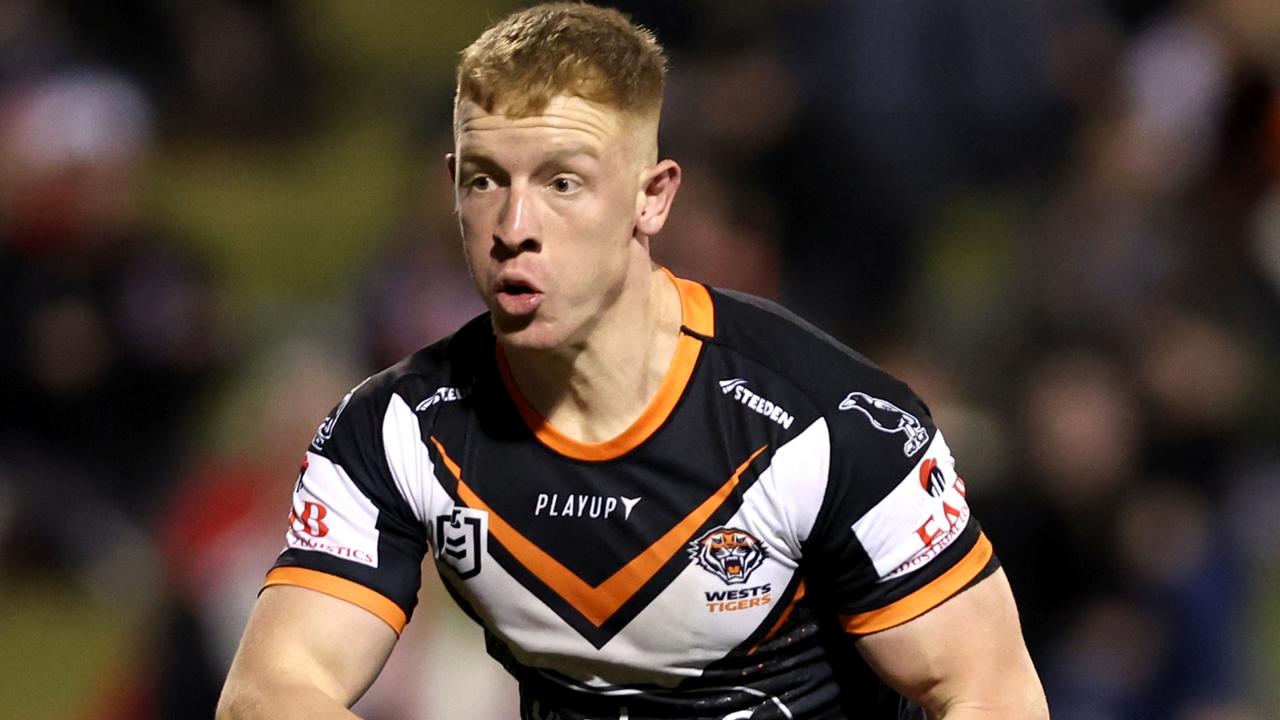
(1058, 220)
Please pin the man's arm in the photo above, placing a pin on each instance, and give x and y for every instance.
(964, 659)
(304, 655)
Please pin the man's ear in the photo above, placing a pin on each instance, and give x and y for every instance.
(657, 192)
(451, 161)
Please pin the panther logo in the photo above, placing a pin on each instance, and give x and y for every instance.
(889, 418)
(728, 553)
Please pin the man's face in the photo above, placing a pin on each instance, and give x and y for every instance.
(548, 207)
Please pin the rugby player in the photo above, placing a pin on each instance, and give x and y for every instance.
(659, 499)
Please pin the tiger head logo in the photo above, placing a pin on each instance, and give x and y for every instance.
(728, 553)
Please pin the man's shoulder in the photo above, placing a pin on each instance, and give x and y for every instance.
(456, 358)
(775, 337)
(879, 423)
(441, 372)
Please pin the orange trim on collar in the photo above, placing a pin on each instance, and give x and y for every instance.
(697, 313)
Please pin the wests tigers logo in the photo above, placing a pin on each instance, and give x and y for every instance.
(728, 553)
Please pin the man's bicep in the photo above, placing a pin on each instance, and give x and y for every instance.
(964, 658)
(300, 639)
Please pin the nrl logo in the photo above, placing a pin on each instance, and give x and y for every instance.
(889, 418)
(460, 540)
(728, 553)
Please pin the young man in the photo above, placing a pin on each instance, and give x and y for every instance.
(660, 500)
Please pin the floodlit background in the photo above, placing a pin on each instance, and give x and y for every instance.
(1059, 220)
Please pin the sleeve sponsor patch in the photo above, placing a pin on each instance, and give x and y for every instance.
(331, 515)
(919, 518)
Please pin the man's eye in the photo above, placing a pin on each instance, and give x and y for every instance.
(565, 184)
(481, 182)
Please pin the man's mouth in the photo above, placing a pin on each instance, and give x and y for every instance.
(517, 297)
(515, 288)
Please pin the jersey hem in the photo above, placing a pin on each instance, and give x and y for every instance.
(343, 589)
(926, 598)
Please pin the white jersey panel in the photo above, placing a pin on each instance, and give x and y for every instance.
(782, 505)
(407, 456)
(344, 524)
(715, 610)
(919, 518)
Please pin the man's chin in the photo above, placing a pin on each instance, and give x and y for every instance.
(524, 333)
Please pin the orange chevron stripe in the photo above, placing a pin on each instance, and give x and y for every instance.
(597, 604)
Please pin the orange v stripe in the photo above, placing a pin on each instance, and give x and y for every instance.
(599, 603)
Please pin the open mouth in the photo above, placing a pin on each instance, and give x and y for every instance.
(517, 297)
(515, 288)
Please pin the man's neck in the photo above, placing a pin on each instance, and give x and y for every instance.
(596, 390)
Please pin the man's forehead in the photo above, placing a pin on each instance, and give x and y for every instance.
(573, 119)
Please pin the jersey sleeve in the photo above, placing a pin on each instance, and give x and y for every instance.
(895, 537)
(352, 533)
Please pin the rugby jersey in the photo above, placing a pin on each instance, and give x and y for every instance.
(779, 496)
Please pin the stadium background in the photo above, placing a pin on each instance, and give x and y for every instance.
(1058, 220)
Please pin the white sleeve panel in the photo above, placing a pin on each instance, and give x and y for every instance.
(788, 494)
(407, 457)
(919, 518)
(331, 515)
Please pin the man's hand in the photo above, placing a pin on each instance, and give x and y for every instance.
(964, 659)
(304, 655)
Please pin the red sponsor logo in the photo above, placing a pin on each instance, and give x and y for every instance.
(932, 478)
(311, 521)
(929, 532)
(937, 533)
(341, 551)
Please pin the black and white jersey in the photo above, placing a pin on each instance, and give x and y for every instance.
(779, 495)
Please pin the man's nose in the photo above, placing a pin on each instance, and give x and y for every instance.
(517, 225)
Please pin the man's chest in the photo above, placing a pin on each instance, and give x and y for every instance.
(642, 569)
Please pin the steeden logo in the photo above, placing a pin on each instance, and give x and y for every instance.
(443, 395)
(737, 387)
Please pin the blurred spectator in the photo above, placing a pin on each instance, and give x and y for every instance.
(113, 330)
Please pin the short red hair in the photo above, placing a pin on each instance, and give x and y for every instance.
(531, 56)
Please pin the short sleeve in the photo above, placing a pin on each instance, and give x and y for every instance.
(896, 536)
(351, 533)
